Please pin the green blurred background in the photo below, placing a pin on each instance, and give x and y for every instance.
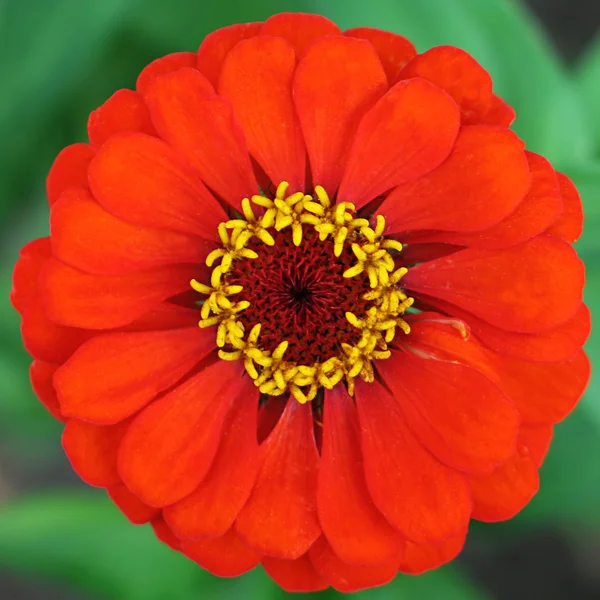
(60, 59)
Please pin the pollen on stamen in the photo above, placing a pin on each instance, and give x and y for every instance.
(305, 294)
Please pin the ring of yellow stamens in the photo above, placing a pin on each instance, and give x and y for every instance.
(272, 374)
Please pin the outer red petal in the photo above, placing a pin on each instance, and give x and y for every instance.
(459, 74)
(32, 258)
(163, 66)
(540, 207)
(394, 51)
(418, 558)
(505, 492)
(142, 180)
(527, 288)
(165, 535)
(536, 441)
(408, 133)
(257, 80)
(280, 518)
(211, 510)
(87, 237)
(225, 556)
(475, 431)
(72, 297)
(355, 529)
(300, 29)
(214, 144)
(483, 180)
(329, 109)
(70, 169)
(570, 224)
(123, 111)
(92, 450)
(297, 575)
(218, 44)
(131, 506)
(424, 499)
(344, 577)
(500, 113)
(170, 446)
(114, 375)
(41, 374)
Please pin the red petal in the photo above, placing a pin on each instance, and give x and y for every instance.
(171, 444)
(214, 145)
(123, 111)
(570, 224)
(344, 577)
(92, 450)
(70, 169)
(528, 288)
(356, 530)
(329, 109)
(134, 367)
(483, 180)
(418, 558)
(257, 80)
(505, 492)
(41, 374)
(394, 51)
(165, 535)
(87, 237)
(424, 499)
(414, 253)
(408, 133)
(164, 316)
(540, 207)
(500, 113)
(211, 510)
(131, 506)
(280, 518)
(536, 440)
(32, 258)
(225, 556)
(300, 29)
(72, 297)
(475, 432)
(217, 45)
(459, 74)
(294, 575)
(141, 180)
(163, 66)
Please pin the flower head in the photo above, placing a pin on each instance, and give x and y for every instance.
(308, 302)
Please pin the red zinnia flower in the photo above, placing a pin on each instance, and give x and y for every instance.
(390, 308)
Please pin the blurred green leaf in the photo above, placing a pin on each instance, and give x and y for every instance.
(587, 77)
(508, 42)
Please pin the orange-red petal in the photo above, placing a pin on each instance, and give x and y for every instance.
(131, 506)
(163, 66)
(356, 530)
(211, 510)
(170, 445)
(297, 575)
(257, 80)
(418, 558)
(536, 439)
(69, 169)
(140, 179)
(165, 535)
(483, 180)
(214, 144)
(505, 492)
(408, 133)
(394, 51)
(500, 113)
(344, 577)
(216, 46)
(112, 376)
(125, 110)
(41, 374)
(527, 288)
(225, 556)
(459, 74)
(421, 497)
(569, 225)
(329, 109)
(280, 518)
(87, 237)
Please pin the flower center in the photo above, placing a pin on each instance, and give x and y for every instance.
(305, 293)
